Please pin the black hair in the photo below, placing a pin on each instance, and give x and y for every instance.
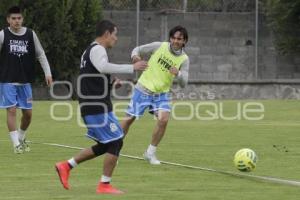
(103, 26)
(14, 10)
(182, 30)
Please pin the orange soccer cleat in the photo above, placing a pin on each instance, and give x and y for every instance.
(107, 189)
(63, 170)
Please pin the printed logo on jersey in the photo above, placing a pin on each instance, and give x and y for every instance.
(18, 47)
(113, 127)
(29, 100)
(165, 63)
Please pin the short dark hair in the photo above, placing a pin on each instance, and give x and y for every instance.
(14, 10)
(103, 26)
(182, 30)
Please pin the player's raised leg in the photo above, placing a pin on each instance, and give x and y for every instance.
(63, 168)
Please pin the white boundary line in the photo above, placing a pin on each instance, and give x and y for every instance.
(241, 175)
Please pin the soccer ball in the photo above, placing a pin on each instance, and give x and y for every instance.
(245, 160)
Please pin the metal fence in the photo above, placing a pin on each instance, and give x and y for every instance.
(229, 40)
(182, 5)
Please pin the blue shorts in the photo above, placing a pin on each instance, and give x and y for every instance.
(103, 128)
(15, 95)
(141, 101)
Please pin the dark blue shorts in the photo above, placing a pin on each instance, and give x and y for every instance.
(103, 128)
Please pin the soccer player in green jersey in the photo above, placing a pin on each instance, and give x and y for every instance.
(168, 61)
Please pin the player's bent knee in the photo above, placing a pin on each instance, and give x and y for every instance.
(115, 147)
(128, 120)
(163, 120)
(12, 111)
(28, 117)
(98, 149)
(163, 117)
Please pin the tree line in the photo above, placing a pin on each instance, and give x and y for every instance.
(64, 27)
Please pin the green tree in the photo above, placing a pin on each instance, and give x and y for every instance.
(64, 27)
(4, 5)
(284, 19)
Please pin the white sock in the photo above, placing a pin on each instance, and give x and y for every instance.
(14, 136)
(22, 134)
(72, 162)
(151, 149)
(105, 179)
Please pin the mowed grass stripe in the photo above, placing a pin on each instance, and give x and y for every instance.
(193, 142)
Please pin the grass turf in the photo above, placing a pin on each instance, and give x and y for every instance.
(210, 144)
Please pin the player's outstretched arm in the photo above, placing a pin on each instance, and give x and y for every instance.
(140, 65)
(99, 59)
(136, 58)
(139, 51)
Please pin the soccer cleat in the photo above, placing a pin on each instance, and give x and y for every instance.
(63, 170)
(18, 149)
(107, 189)
(151, 158)
(25, 146)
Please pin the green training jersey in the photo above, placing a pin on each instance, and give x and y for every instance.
(157, 77)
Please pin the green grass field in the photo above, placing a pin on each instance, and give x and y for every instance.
(210, 144)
